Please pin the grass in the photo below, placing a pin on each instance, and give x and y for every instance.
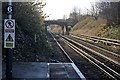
(56, 29)
(112, 32)
(89, 26)
(85, 39)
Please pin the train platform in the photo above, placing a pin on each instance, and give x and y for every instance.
(38, 71)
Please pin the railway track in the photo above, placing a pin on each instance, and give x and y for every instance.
(56, 53)
(108, 55)
(61, 48)
(111, 59)
(106, 41)
(111, 53)
(81, 63)
(99, 60)
(90, 55)
(67, 56)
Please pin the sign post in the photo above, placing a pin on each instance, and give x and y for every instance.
(9, 40)
(9, 33)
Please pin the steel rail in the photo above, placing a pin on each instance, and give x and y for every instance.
(96, 53)
(115, 56)
(62, 48)
(105, 40)
(85, 55)
(90, 60)
(79, 73)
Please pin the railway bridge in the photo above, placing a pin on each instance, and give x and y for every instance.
(65, 24)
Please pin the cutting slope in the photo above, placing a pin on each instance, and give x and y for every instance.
(92, 27)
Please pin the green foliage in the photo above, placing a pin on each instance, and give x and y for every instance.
(29, 21)
(112, 32)
(99, 27)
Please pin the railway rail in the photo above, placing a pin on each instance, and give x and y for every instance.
(77, 70)
(62, 48)
(106, 41)
(58, 40)
(94, 57)
(111, 56)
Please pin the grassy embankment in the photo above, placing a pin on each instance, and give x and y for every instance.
(89, 26)
(92, 27)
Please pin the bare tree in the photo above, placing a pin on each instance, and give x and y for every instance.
(64, 17)
(110, 11)
(74, 16)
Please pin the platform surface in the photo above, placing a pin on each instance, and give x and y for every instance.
(46, 71)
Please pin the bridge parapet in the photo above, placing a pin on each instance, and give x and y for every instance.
(59, 22)
(63, 23)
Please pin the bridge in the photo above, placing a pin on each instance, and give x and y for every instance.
(63, 23)
(60, 22)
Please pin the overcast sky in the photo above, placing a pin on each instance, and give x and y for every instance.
(57, 8)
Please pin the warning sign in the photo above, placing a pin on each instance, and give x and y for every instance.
(9, 33)
(9, 23)
(9, 44)
(9, 38)
(9, 30)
